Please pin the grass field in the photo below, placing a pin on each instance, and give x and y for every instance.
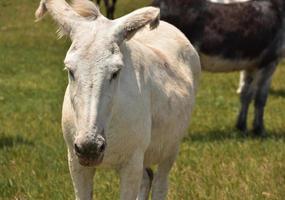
(214, 163)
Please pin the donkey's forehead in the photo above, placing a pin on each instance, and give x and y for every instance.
(88, 33)
(95, 50)
(92, 35)
(93, 47)
(92, 43)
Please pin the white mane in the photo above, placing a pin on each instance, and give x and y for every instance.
(85, 8)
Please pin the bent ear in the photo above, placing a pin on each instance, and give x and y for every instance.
(129, 24)
(41, 11)
(62, 13)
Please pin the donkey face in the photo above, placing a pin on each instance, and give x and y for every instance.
(94, 62)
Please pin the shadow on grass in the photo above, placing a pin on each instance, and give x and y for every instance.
(11, 141)
(222, 135)
(279, 92)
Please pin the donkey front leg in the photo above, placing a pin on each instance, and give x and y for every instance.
(160, 182)
(146, 184)
(82, 178)
(131, 176)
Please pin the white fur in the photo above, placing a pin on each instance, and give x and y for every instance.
(145, 112)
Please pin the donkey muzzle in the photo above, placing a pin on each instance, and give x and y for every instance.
(90, 149)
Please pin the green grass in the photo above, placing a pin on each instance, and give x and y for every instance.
(214, 163)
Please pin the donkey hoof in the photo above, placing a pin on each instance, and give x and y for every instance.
(241, 127)
(260, 132)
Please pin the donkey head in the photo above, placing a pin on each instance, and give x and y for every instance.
(94, 63)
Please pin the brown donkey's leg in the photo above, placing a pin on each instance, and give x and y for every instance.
(264, 76)
(107, 7)
(246, 95)
(110, 8)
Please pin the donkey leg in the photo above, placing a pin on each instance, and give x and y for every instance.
(146, 184)
(131, 176)
(160, 182)
(82, 178)
(112, 9)
(247, 92)
(107, 8)
(98, 2)
(264, 81)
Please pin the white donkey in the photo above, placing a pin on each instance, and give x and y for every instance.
(129, 98)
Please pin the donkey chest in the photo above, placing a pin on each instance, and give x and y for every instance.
(127, 132)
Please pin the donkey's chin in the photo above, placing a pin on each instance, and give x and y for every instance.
(91, 161)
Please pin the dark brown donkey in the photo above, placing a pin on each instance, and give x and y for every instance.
(241, 36)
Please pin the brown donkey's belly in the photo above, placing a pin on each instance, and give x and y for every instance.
(220, 64)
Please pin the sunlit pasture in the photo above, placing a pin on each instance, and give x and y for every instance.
(215, 162)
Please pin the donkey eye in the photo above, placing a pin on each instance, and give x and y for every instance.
(115, 74)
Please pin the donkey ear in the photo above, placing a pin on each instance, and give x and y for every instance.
(41, 11)
(62, 13)
(129, 24)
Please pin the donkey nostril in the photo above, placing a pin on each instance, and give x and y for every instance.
(101, 148)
